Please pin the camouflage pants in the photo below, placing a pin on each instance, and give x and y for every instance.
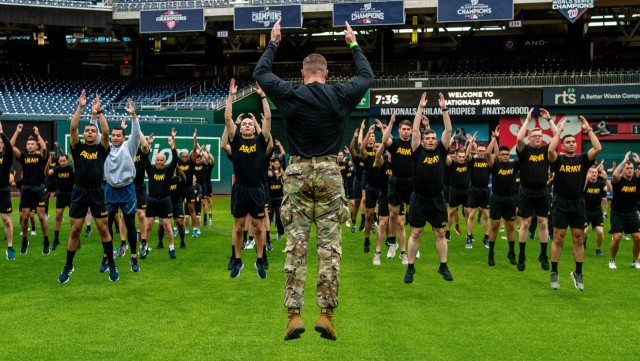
(313, 193)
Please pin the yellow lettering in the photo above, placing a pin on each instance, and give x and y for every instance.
(275, 187)
(403, 151)
(248, 149)
(570, 168)
(628, 189)
(505, 172)
(137, 158)
(593, 190)
(173, 187)
(31, 160)
(158, 177)
(481, 165)
(431, 160)
(536, 158)
(1, 160)
(461, 169)
(197, 168)
(64, 175)
(184, 167)
(90, 156)
(389, 172)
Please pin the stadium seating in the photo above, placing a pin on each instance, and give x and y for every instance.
(150, 93)
(53, 3)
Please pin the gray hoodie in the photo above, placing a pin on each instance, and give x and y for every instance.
(119, 169)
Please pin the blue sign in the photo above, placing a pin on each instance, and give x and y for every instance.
(572, 9)
(451, 11)
(171, 21)
(370, 13)
(263, 17)
(591, 95)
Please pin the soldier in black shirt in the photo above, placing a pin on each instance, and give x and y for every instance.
(207, 189)
(595, 191)
(186, 164)
(459, 191)
(624, 209)
(379, 178)
(568, 208)
(6, 159)
(479, 190)
(359, 183)
(401, 180)
(49, 183)
(427, 203)
(372, 191)
(89, 157)
(248, 153)
(503, 199)
(534, 194)
(140, 162)
(64, 177)
(315, 115)
(275, 173)
(159, 201)
(32, 191)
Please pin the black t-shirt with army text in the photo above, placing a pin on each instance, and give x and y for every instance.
(479, 172)
(401, 159)
(248, 159)
(65, 178)
(569, 175)
(593, 194)
(429, 170)
(459, 175)
(624, 195)
(504, 177)
(534, 167)
(89, 164)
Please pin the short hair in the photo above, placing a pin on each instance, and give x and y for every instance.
(504, 147)
(628, 162)
(62, 155)
(461, 151)
(314, 63)
(567, 136)
(117, 127)
(535, 130)
(427, 132)
(405, 122)
(91, 125)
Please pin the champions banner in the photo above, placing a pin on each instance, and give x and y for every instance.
(263, 17)
(451, 11)
(171, 21)
(572, 9)
(369, 13)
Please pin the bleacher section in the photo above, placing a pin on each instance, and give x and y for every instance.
(53, 3)
(206, 97)
(150, 93)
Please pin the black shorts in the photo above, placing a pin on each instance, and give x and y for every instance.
(624, 222)
(458, 197)
(63, 200)
(32, 196)
(427, 209)
(383, 206)
(141, 196)
(532, 202)
(371, 198)
(445, 192)
(595, 218)
(176, 208)
(208, 189)
(189, 194)
(83, 199)
(568, 213)
(348, 190)
(198, 208)
(400, 190)
(159, 207)
(357, 188)
(478, 197)
(364, 183)
(50, 185)
(246, 200)
(502, 207)
(5, 201)
(267, 197)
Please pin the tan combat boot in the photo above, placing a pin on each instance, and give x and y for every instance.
(325, 324)
(295, 327)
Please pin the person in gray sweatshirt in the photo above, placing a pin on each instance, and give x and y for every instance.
(119, 190)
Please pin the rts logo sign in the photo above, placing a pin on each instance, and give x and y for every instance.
(567, 97)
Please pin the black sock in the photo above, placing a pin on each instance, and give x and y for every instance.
(361, 218)
(491, 246)
(578, 267)
(486, 236)
(512, 246)
(24, 240)
(391, 240)
(122, 243)
(443, 265)
(411, 266)
(70, 255)
(244, 236)
(108, 250)
(366, 239)
(268, 236)
(143, 241)
(88, 228)
(543, 249)
(238, 260)
(56, 236)
(233, 252)
(554, 267)
(46, 239)
(522, 246)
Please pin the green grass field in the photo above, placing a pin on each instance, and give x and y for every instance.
(189, 308)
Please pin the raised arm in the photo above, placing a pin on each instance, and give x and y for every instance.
(97, 114)
(134, 140)
(74, 136)
(552, 125)
(523, 131)
(145, 142)
(603, 174)
(415, 129)
(470, 146)
(492, 146)
(229, 126)
(387, 139)
(266, 114)
(224, 142)
(47, 171)
(14, 137)
(273, 86)
(615, 177)
(356, 87)
(363, 146)
(352, 149)
(377, 162)
(194, 151)
(552, 151)
(41, 143)
(596, 147)
(280, 148)
(446, 134)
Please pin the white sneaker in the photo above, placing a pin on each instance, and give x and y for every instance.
(404, 258)
(251, 244)
(418, 254)
(635, 264)
(625, 237)
(347, 223)
(33, 233)
(391, 253)
(376, 259)
(612, 264)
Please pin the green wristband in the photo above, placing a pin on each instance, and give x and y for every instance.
(352, 44)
